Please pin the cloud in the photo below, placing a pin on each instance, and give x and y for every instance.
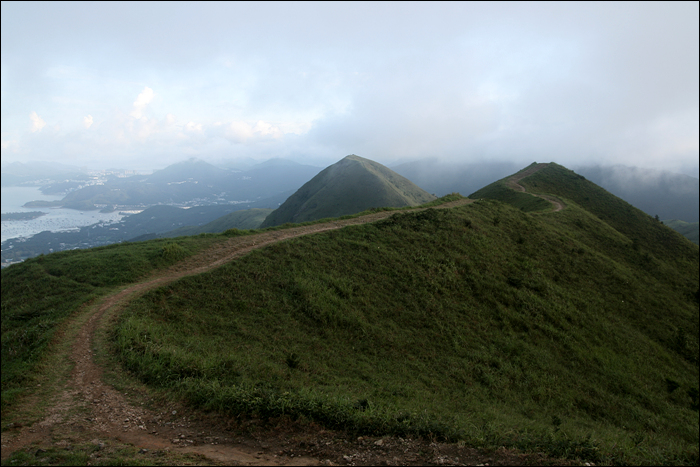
(37, 122)
(193, 127)
(87, 121)
(142, 101)
(243, 132)
(567, 82)
(9, 145)
(239, 132)
(265, 129)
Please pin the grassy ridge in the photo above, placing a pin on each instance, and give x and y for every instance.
(639, 227)
(523, 201)
(480, 323)
(690, 230)
(246, 219)
(349, 186)
(41, 293)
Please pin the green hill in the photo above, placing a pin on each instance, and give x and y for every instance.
(688, 229)
(496, 323)
(243, 220)
(351, 185)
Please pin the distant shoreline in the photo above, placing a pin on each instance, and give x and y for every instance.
(21, 216)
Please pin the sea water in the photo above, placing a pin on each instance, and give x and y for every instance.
(55, 219)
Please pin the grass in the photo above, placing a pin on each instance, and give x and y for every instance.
(573, 333)
(481, 323)
(523, 201)
(688, 229)
(347, 187)
(41, 293)
(246, 219)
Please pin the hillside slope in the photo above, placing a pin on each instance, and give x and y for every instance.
(572, 332)
(242, 220)
(690, 230)
(656, 192)
(351, 185)
(472, 323)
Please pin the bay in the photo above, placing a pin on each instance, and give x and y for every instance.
(55, 220)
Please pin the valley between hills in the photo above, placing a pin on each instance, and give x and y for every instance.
(112, 388)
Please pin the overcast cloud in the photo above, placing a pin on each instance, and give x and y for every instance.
(143, 85)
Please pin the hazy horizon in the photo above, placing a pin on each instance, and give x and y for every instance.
(145, 85)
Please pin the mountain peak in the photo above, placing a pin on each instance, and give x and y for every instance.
(349, 186)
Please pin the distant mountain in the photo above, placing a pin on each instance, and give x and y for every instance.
(656, 192)
(272, 177)
(351, 185)
(443, 177)
(17, 173)
(195, 182)
(192, 169)
(690, 230)
(641, 230)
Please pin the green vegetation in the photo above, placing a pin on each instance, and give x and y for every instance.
(245, 220)
(43, 204)
(21, 216)
(523, 201)
(481, 323)
(39, 294)
(688, 229)
(640, 228)
(349, 186)
(574, 333)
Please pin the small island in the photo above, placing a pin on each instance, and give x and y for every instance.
(21, 216)
(42, 204)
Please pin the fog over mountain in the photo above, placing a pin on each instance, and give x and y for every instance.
(656, 192)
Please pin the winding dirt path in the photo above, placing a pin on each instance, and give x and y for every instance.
(87, 410)
(513, 183)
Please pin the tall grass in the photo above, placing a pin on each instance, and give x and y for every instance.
(482, 323)
(41, 293)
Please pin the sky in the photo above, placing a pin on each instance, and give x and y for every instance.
(143, 85)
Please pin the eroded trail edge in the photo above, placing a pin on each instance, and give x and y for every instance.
(87, 410)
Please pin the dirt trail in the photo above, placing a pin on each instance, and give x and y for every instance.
(88, 411)
(513, 183)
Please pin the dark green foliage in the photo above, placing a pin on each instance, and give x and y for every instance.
(671, 385)
(652, 236)
(546, 332)
(447, 325)
(39, 294)
(523, 201)
(244, 220)
(693, 394)
(688, 229)
(34, 302)
(349, 186)
(172, 252)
